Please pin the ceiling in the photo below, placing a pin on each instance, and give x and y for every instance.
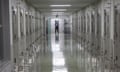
(44, 6)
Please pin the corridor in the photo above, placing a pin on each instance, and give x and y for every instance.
(59, 35)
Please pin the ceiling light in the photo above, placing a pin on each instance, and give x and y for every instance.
(54, 13)
(60, 5)
(59, 10)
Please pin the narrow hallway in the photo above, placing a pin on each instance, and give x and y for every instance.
(59, 35)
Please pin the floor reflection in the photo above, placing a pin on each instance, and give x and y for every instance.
(57, 37)
(63, 54)
(59, 64)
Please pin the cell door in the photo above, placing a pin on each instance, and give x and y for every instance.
(107, 31)
(21, 24)
(14, 24)
(117, 35)
(107, 23)
(117, 24)
(1, 34)
(98, 31)
(27, 27)
(30, 24)
(4, 31)
(88, 23)
(93, 24)
(82, 26)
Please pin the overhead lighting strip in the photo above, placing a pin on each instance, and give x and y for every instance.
(60, 5)
(59, 10)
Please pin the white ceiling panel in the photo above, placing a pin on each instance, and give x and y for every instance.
(44, 5)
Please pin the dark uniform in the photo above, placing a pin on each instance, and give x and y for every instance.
(56, 26)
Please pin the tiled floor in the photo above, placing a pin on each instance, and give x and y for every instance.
(62, 54)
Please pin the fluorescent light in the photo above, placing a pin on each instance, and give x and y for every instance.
(59, 10)
(57, 13)
(60, 5)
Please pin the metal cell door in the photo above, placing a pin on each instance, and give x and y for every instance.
(117, 36)
(1, 34)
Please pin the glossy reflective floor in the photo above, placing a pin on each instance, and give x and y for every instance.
(62, 54)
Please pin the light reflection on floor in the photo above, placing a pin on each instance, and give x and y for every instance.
(59, 64)
(66, 55)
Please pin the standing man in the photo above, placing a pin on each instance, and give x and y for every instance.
(56, 26)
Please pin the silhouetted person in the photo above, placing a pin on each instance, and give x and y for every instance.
(56, 26)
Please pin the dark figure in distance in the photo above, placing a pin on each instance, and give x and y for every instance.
(56, 26)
